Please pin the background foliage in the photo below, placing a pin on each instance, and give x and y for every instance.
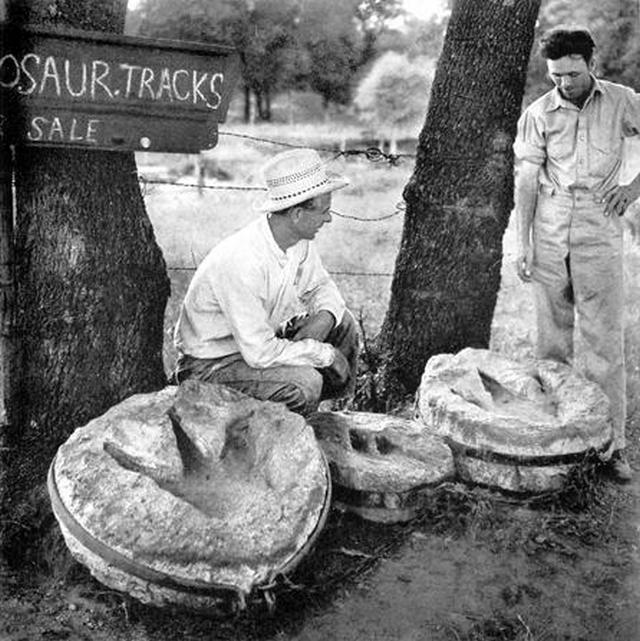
(328, 47)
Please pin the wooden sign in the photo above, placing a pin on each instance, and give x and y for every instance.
(104, 91)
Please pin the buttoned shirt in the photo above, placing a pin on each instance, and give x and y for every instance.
(579, 148)
(245, 290)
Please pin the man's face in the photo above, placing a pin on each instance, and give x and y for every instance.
(309, 221)
(572, 75)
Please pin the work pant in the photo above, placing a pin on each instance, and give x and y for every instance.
(578, 276)
(301, 388)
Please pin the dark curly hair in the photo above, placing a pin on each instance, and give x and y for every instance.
(567, 40)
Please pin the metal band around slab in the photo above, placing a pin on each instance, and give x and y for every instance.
(525, 461)
(326, 506)
(375, 499)
(121, 562)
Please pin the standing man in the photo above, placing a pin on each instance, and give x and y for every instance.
(261, 314)
(568, 206)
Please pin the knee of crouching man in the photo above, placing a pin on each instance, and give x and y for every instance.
(303, 396)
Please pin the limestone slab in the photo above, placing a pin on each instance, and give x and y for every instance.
(191, 494)
(517, 426)
(383, 467)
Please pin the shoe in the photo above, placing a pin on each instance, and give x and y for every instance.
(619, 467)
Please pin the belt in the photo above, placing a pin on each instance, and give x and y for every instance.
(574, 192)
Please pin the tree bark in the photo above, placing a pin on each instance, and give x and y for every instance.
(267, 105)
(260, 104)
(247, 104)
(460, 195)
(90, 295)
(7, 289)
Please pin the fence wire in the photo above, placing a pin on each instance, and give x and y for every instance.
(372, 154)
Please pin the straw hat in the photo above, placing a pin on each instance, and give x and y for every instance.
(295, 176)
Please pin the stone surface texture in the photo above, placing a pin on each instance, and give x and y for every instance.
(198, 483)
(531, 415)
(388, 463)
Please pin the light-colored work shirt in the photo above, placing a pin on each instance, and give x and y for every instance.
(579, 148)
(245, 290)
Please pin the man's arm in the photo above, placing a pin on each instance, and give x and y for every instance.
(530, 153)
(239, 297)
(316, 326)
(318, 291)
(526, 196)
(619, 197)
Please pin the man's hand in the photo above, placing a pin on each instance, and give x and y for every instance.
(337, 373)
(317, 326)
(524, 263)
(618, 198)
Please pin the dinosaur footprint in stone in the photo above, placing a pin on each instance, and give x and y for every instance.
(210, 448)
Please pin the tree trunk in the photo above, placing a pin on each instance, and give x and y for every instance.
(290, 108)
(7, 304)
(260, 104)
(247, 105)
(325, 109)
(267, 105)
(460, 195)
(90, 296)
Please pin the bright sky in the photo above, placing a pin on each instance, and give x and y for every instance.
(425, 8)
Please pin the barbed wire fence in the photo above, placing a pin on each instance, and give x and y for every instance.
(372, 154)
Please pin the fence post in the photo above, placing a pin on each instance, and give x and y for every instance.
(199, 172)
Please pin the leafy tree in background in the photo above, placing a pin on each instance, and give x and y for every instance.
(340, 37)
(262, 31)
(418, 38)
(283, 44)
(270, 49)
(327, 31)
(373, 17)
(393, 97)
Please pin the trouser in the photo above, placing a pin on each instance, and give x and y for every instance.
(301, 388)
(582, 285)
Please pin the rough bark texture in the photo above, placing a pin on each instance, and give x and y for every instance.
(461, 192)
(6, 293)
(91, 289)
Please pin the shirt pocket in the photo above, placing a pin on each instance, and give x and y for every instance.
(605, 149)
(559, 147)
(602, 141)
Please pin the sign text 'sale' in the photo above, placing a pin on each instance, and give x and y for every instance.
(113, 92)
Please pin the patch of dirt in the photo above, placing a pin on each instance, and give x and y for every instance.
(478, 565)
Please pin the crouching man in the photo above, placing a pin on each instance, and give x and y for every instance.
(261, 314)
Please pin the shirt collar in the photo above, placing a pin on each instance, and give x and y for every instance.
(557, 101)
(265, 230)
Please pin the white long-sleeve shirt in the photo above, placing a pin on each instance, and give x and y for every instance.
(245, 290)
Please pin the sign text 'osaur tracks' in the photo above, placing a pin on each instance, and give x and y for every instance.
(102, 91)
